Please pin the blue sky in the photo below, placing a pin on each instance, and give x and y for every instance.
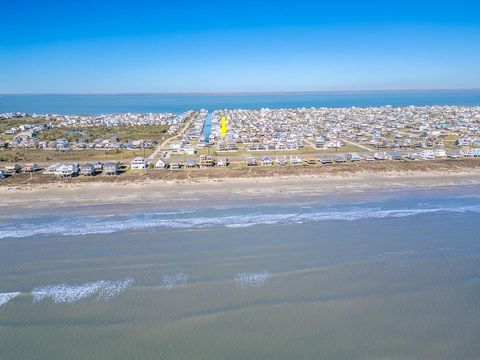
(213, 46)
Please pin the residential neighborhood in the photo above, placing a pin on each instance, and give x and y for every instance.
(266, 137)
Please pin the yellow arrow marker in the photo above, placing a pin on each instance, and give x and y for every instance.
(223, 126)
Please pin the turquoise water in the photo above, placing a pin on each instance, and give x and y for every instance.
(395, 275)
(97, 104)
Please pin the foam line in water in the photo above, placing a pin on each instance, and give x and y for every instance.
(84, 225)
(255, 279)
(176, 280)
(63, 293)
(6, 297)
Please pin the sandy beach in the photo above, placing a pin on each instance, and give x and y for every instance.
(228, 190)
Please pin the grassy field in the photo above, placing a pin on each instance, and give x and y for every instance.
(123, 133)
(19, 155)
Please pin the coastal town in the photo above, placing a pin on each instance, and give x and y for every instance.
(69, 146)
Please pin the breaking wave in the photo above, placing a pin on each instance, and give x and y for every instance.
(248, 280)
(204, 218)
(176, 280)
(63, 293)
(6, 297)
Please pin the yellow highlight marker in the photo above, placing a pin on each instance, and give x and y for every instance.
(223, 126)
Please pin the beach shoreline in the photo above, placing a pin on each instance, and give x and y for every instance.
(204, 191)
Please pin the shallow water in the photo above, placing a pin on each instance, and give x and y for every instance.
(393, 276)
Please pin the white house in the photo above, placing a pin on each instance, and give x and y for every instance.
(138, 163)
(160, 164)
(67, 170)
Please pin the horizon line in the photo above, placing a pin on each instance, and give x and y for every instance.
(236, 93)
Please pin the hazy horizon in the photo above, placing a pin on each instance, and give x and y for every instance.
(236, 93)
(212, 47)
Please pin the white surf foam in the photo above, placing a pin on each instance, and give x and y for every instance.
(6, 297)
(63, 293)
(94, 225)
(256, 279)
(176, 280)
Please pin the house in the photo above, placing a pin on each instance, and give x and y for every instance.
(453, 155)
(67, 170)
(110, 168)
(175, 145)
(354, 157)
(466, 152)
(160, 164)
(51, 169)
(62, 144)
(340, 158)
(191, 163)
(175, 166)
(87, 169)
(295, 160)
(282, 161)
(394, 155)
(189, 150)
(266, 160)
(319, 142)
(251, 161)
(2, 174)
(138, 163)
(440, 153)
(310, 160)
(223, 162)
(12, 169)
(30, 168)
(98, 167)
(325, 160)
(207, 161)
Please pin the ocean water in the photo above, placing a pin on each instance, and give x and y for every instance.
(98, 104)
(395, 275)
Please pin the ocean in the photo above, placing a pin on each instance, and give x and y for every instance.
(101, 104)
(394, 274)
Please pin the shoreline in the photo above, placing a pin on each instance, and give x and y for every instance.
(221, 191)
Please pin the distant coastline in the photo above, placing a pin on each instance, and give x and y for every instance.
(95, 104)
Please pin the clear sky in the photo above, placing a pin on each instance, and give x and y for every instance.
(230, 46)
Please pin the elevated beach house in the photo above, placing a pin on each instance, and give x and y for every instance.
(138, 163)
(175, 166)
(30, 168)
(191, 163)
(110, 168)
(222, 162)
(67, 170)
(12, 169)
(295, 160)
(51, 169)
(87, 169)
(160, 164)
(266, 160)
(251, 161)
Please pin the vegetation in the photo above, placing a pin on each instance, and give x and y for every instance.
(122, 133)
(34, 155)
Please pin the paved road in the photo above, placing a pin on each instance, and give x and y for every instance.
(358, 145)
(180, 134)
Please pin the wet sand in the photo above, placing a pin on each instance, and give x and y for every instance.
(228, 190)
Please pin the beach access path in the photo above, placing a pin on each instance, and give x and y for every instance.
(357, 145)
(167, 140)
